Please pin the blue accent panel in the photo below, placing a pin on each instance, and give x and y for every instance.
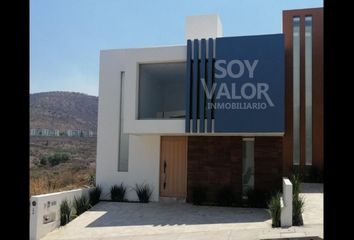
(201, 89)
(257, 96)
(209, 82)
(188, 84)
(195, 84)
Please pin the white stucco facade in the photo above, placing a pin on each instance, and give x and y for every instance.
(203, 26)
(122, 65)
(144, 140)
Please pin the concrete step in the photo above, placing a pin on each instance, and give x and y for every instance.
(172, 200)
(289, 236)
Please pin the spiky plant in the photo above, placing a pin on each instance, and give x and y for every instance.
(65, 211)
(144, 192)
(118, 193)
(274, 209)
(298, 209)
(95, 195)
(81, 205)
(296, 182)
(298, 201)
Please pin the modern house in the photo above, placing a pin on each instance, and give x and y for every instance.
(216, 111)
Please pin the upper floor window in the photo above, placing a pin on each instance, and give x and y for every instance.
(162, 90)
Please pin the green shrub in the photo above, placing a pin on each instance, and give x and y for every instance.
(296, 182)
(144, 192)
(81, 205)
(274, 209)
(199, 195)
(118, 193)
(226, 196)
(309, 174)
(65, 211)
(313, 174)
(298, 208)
(298, 201)
(95, 195)
(295, 170)
(58, 157)
(92, 179)
(55, 159)
(256, 198)
(43, 161)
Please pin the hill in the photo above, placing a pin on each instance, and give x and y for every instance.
(63, 111)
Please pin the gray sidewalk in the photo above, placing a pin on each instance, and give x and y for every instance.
(134, 221)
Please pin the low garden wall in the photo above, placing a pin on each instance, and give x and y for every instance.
(45, 211)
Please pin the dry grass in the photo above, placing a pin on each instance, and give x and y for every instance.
(51, 181)
(74, 173)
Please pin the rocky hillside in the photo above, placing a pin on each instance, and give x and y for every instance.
(63, 110)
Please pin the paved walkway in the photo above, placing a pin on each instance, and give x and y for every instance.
(178, 221)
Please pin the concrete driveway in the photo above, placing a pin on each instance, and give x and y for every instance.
(135, 221)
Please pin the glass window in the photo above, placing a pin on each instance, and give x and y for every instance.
(308, 88)
(162, 90)
(296, 90)
(247, 164)
(123, 138)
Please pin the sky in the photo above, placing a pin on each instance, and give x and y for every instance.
(66, 36)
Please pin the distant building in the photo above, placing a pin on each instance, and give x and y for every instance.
(57, 133)
(72, 133)
(79, 133)
(44, 132)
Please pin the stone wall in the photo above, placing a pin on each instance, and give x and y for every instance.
(214, 162)
(268, 159)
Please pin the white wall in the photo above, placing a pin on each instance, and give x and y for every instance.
(286, 214)
(132, 59)
(203, 26)
(112, 62)
(144, 151)
(143, 167)
(49, 205)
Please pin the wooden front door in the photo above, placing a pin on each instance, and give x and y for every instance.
(173, 167)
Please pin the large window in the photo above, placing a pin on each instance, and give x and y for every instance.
(308, 88)
(296, 90)
(162, 91)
